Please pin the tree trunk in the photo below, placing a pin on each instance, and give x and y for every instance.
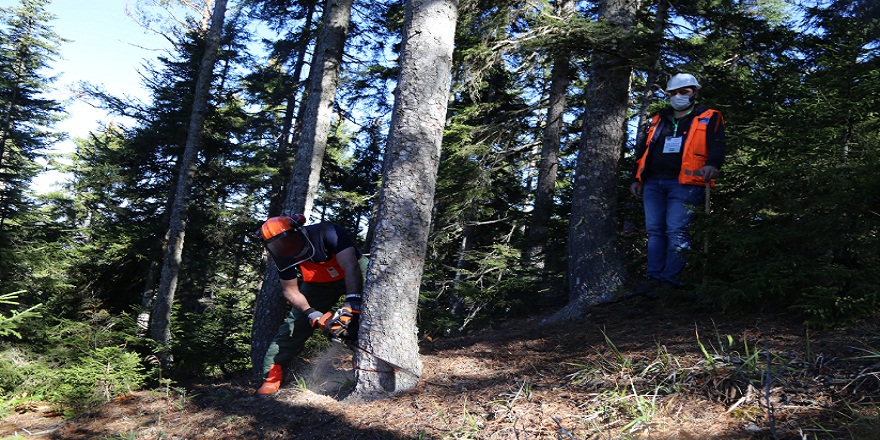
(270, 307)
(456, 303)
(160, 318)
(549, 164)
(388, 323)
(595, 268)
(653, 75)
(291, 122)
(147, 296)
(323, 79)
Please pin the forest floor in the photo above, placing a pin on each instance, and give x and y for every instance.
(637, 369)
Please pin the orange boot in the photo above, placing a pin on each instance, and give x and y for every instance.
(273, 381)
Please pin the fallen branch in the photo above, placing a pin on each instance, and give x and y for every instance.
(561, 429)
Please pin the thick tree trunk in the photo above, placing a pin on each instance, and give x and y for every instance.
(148, 295)
(160, 318)
(549, 164)
(270, 308)
(388, 323)
(595, 268)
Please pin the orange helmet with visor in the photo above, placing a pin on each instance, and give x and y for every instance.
(286, 241)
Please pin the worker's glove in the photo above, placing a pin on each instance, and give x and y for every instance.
(317, 319)
(353, 302)
(344, 324)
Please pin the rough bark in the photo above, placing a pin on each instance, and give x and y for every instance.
(595, 268)
(549, 163)
(270, 307)
(388, 323)
(160, 318)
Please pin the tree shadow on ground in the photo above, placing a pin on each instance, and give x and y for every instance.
(676, 371)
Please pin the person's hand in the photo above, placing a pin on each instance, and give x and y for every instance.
(344, 324)
(636, 189)
(709, 172)
(318, 319)
(353, 302)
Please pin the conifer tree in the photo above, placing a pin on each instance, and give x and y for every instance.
(278, 87)
(792, 227)
(27, 46)
(160, 318)
(476, 267)
(388, 326)
(548, 165)
(595, 268)
(312, 145)
(321, 93)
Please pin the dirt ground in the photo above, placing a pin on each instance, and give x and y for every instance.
(636, 369)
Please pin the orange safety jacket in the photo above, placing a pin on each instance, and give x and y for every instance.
(695, 150)
(327, 239)
(323, 272)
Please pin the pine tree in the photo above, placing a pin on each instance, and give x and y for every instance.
(793, 227)
(321, 93)
(126, 178)
(278, 87)
(548, 167)
(475, 270)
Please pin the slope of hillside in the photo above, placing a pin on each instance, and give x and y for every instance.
(636, 369)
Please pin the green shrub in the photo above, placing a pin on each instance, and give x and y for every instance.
(103, 374)
(813, 251)
(11, 362)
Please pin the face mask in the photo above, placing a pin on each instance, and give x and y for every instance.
(680, 102)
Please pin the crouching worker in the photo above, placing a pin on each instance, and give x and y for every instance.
(317, 265)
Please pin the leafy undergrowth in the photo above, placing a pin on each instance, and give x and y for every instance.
(635, 369)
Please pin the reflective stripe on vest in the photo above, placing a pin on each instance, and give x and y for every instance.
(694, 154)
(321, 272)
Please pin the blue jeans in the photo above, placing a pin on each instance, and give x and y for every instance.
(668, 210)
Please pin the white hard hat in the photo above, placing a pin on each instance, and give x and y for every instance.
(680, 80)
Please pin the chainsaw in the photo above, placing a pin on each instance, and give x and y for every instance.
(351, 344)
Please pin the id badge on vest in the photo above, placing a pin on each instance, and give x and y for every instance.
(672, 145)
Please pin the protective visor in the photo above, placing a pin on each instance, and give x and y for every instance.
(290, 248)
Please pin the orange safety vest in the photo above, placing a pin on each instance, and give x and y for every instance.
(323, 272)
(695, 152)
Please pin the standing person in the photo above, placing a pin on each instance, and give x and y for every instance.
(317, 264)
(683, 149)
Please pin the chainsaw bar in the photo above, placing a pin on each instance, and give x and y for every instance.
(354, 347)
